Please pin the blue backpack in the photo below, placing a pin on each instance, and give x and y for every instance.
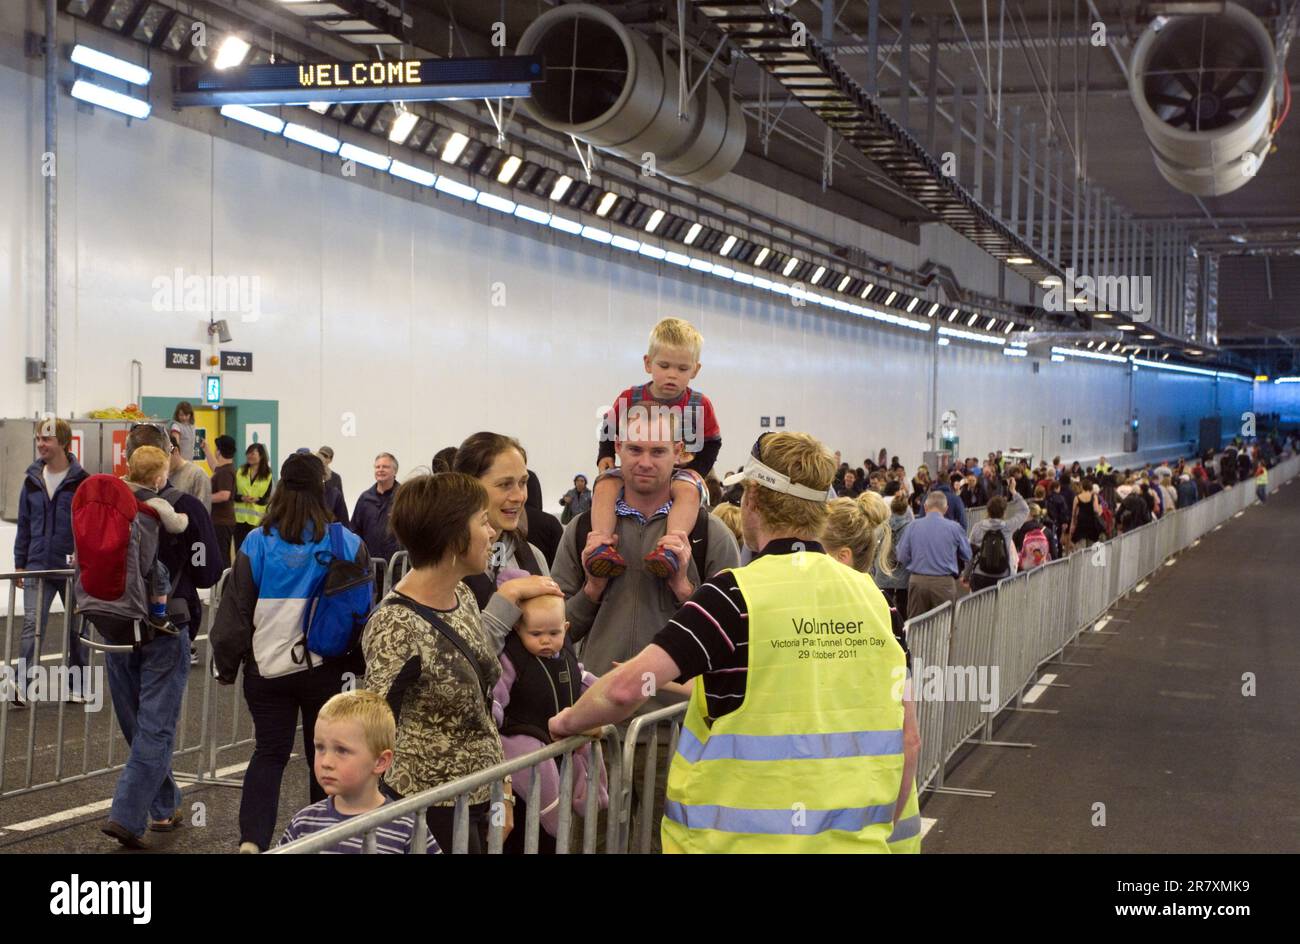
(340, 605)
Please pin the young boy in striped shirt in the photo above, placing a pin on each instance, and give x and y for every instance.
(354, 737)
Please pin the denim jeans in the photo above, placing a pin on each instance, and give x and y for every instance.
(27, 651)
(1262, 492)
(147, 687)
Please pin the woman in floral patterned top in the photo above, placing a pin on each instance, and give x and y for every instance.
(444, 725)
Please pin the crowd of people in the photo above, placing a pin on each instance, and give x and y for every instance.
(511, 627)
(1034, 514)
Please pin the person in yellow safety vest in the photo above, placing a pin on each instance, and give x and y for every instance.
(795, 738)
(252, 491)
(1261, 481)
(1103, 466)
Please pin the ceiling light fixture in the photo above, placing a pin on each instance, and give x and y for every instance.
(231, 52)
(402, 127)
(509, 169)
(454, 147)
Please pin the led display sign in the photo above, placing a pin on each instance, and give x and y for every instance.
(297, 83)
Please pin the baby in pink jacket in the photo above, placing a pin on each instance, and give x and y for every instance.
(540, 677)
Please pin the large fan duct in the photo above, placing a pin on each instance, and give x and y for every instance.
(607, 86)
(1203, 86)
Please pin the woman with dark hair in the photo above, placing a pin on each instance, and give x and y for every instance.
(442, 460)
(252, 490)
(258, 627)
(501, 466)
(428, 655)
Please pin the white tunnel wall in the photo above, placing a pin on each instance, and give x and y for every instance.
(381, 308)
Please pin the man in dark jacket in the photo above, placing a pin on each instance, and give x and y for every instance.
(956, 510)
(370, 517)
(148, 684)
(1187, 493)
(44, 542)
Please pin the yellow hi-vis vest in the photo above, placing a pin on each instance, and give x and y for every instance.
(812, 760)
(248, 512)
(1262, 477)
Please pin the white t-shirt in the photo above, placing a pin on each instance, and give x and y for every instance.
(53, 480)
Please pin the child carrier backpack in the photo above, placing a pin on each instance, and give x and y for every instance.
(1034, 549)
(338, 609)
(993, 558)
(116, 540)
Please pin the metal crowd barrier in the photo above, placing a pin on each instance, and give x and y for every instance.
(85, 739)
(928, 639)
(397, 567)
(642, 741)
(975, 515)
(457, 794)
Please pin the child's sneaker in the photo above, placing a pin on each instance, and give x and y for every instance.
(161, 624)
(662, 562)
(606, 562)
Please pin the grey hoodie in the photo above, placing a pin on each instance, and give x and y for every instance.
(1017, 513)
(636, 605)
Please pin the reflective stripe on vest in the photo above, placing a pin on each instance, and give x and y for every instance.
(906, 837)
(790, 746)
(792, 822)
(812, 759)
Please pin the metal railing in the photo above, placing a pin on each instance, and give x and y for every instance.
(457, 794)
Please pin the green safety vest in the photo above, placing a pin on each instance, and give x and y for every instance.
(1262, 477)
(247, 512)
(812, 760)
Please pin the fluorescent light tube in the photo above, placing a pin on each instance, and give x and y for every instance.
(110, 65)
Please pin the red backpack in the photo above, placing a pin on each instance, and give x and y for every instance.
(116, 539)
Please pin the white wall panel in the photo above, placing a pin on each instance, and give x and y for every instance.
(383, 307)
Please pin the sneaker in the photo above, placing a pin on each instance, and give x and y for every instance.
(194, 655)
(161, 624)
(662, 563)
(77, 698)
(606, 562)
(128, 839)
(18, 704)
(249, 848)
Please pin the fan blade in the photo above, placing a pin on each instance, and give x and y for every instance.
(1229, 82)
(1237, 101)
(1187, 82)
(1161, 98)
